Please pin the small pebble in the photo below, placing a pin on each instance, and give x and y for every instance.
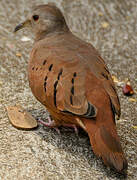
(25, 38)
(18, 54)
(105, 25)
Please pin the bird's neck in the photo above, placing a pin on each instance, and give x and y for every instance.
(52, 31)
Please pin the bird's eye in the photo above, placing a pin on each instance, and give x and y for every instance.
(35, 17)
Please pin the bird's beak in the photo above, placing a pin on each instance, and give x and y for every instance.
(22, 25)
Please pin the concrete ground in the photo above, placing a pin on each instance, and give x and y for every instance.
(42, 154)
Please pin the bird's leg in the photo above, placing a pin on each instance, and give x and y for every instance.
(50, 123)
(72, 126)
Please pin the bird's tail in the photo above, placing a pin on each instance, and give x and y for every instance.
(106, 144)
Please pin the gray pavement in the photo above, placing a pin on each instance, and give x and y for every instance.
(42, 154)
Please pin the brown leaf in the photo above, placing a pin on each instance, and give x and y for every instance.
(20, 118)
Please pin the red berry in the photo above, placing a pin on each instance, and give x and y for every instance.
(127, 90)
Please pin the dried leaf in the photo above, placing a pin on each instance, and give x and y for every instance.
(20, 118)
(132, 100)
(100, 14)
(105, 25)
(119, 83)
(115, 79)
(18, 54)
(120, 120)
(25, 38)
(135, 127)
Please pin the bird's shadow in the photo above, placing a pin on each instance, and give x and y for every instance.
(77, 145)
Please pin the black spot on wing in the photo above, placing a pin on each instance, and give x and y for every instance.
(60, 73)
(50, 67)
(71, 101)
(46, 77)
(72, 90)
(44, 62)
(72, 80)
(55, 86)
(45, 83)
(75, 74)
(55, 93)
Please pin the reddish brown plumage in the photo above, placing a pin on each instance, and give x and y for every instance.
(68, 76)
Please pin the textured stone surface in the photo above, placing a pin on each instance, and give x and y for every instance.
(42, 153)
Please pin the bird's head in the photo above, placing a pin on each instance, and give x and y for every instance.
(44, 19)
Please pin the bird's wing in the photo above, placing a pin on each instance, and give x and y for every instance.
(70, 62)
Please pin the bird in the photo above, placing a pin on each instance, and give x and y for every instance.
(71, 79)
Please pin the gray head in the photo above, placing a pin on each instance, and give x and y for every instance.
(44, 19)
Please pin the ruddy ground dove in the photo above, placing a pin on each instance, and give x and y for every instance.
(69, 77)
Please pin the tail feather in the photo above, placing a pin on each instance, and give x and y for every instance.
(106, 145)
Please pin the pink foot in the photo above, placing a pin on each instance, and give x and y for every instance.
(50, 123)
(72, 126)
